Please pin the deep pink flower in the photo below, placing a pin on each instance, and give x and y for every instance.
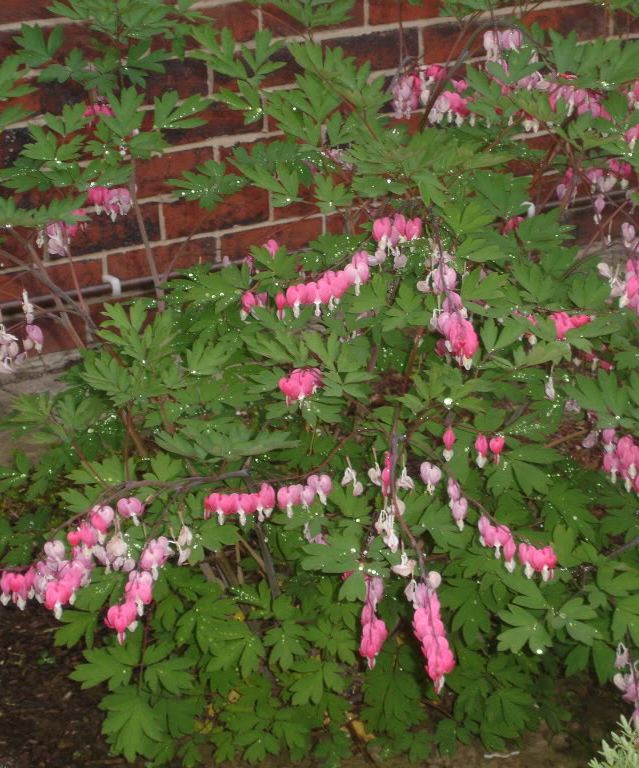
(122, 617)
(139, 590)
(537, 560)
(98, 110)
(481, 446)
(301, 383)
(430, 631)
(496, 445)
(449, 439)
(101, 518)
(374, 632)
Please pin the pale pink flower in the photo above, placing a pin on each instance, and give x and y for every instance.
(430, 474)
(154, 555)
(131, 508)
(139, 590)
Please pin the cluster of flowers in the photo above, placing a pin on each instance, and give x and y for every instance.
(56, 579)
(498, 41)
(451, 318)
(59, 234)
(578, 100)
(452, 106)
(625, 288)
(350, 476)
(621, 458)
(10, 353)
(564, 322)
(431, 474)
(413, 89)
(498, 536)
(482, 445)
(627, 680)
(429, 629)
(458, 504)
(534, 560)
(138, 591)
(98, 110)
(114, 202)
(599, 182)
(374, 632)
(385, 523)
(427, 626)
(327, 289)
(250, 300)
(301, 383)
(391, 232)
(263, 501)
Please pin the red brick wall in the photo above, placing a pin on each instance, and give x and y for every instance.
(247, 217)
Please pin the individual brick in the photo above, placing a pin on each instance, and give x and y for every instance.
(391, 11)
(293, 235)
(102, 234)
(248, 206)
(153, 173)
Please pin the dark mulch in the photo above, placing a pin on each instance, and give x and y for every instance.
(46, 720)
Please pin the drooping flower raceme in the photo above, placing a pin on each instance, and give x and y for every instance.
(625, 287)
(458, 504)
(264, 501)
(98, 110)
(627, 680)
(390, 233)
(500, 538)
(114, 202)
(16, 588)
(327, 290)
(59, 234)
(451, 317)
(564, 322)
(621, 458)
(536, 560)
(374, 632)
(429, 629)
(241, 504)
(301, 383)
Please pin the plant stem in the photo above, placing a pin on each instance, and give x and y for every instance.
(269, 567)
(148, 250)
